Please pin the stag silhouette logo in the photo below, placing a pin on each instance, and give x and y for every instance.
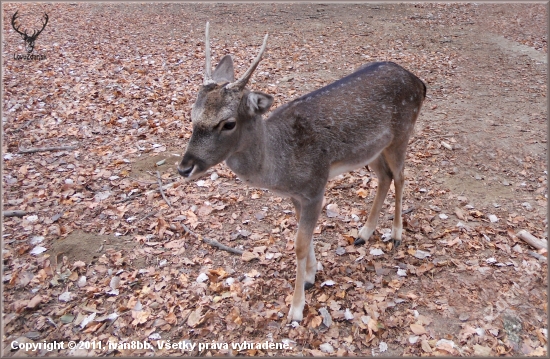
(29, 39)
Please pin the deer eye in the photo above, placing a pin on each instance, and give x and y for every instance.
(229, 125)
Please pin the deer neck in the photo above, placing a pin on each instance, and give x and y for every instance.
(248, 162)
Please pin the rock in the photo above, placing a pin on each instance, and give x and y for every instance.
(327, 319)
(527, 206)
(512, 327)
(332, 210)
(326, 348)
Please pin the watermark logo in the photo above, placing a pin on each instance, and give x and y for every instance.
(29, 39)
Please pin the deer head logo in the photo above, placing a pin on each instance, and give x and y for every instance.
(29, 39)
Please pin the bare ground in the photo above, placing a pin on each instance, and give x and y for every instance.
(124, 96)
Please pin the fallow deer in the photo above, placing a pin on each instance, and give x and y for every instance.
(364, 118)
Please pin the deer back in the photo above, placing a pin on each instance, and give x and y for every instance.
(340, 127)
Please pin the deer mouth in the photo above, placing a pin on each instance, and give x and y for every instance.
(191, 168)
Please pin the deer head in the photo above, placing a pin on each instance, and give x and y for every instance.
(222, 114)
(29, 39)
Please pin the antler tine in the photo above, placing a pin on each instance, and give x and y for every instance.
(14, 17)
(207, 67)
(243, 80)
(43, 24)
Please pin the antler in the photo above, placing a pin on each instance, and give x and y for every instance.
(13, 18)
(207, 68)
(35, 34)
(243, 80)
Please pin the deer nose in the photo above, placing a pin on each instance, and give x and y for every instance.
(185, 172)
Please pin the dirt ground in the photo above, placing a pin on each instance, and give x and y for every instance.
(122, 91)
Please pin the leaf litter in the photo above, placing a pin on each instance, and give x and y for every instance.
(124, 99)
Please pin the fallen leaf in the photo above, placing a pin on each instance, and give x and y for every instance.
(418, 329)
(247, 256)
(195, 318)
(37, 299)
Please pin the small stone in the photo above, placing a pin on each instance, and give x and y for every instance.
(327, 319)
(462, 199)
(421, 254)
(517, 248)
(326, 348)
(202, 278)
(332, 210)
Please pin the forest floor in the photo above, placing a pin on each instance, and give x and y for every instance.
(100, 259)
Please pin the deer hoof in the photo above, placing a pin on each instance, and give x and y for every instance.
(308, 285)
(359, 241)
(396, 243)
(294, 315)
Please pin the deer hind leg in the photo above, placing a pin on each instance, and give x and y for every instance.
(397, 227)
(384, 175)
(389, 165)
(395, 158)
(305, 256)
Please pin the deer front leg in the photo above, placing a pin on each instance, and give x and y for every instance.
(306, 263)
(311, 262)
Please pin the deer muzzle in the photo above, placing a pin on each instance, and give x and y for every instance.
(185, 171)
(191, 167)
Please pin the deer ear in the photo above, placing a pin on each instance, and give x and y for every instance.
(224, 71)
(259, 102)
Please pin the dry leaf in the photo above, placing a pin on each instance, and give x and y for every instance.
(418, 329)
(37, 299)
(247, 256)
(195, 318)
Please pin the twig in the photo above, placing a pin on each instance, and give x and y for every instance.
(165, 187)
(540, 257)
(162, 191)
(16, 213)
(532, 240)
(212, 242)
(407, 211)
(439, 136)
(152, 213)
(46, 149)
(24, 125)
(129, 198)
(141, 181)
(145, 88)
